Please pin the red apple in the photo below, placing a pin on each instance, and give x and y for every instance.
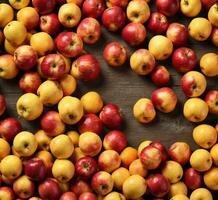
(113, 18)
(160, 75)
(115, 54)
(93, 8)
(158, 185)
(9, 128)
(111, 116)
(53, 66)
(35, 169)
(44, 6)
(1, 37)
(150, 157)
(211, 99)
(184, 59)
(86, 167)
(208, 3)
(25, 57)
(86, 68)
(134, 33)
(69, 44)
(30, 82)
(180, 152)
(178, 34)
(2, 104)
(90, 122)
(6, 193)
(115, 140)
(49, 189)
(167, 7)
(50, 24)
(87, 196)
(162, 149)
(68, 196)
(158, 23)
(89, 30)
(79, 187)
(193, 179)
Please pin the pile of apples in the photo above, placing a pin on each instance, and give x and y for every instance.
(67, 159)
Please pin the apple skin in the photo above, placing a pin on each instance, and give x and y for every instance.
(113, 18)
(63, 44)
(30, 82)
(178, 34)
(35, 169)
(111, 116)
(87, 196)
(93, 8)
(214, 36)
(44, 6)
(162, 149)
(193, 179)
(158, 23)
(49, 189)
(68, 196)
(211, 99)
(120, 3)
(89, 30)
(50, 24)
(2, 104)
(134, 33)
(9, 128)
(158, 185)
(208, 3)
(80, 186)
(167, 7)
(6, 192)
(160, 76)
(90, 122)
(86, 167)
(115, 140)
(184, 59)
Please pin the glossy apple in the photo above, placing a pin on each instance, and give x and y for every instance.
(49, 24)
(6, 14)
(44, 6)
(6, 193)
(208, 3)
(160, 75)
(208, 63)
(211, 99)
(120, 3)
(80, 186)
(161, 147)
(93, 8)
(213, 15)
(192, 179)
(68, 196)
(167, 7)
(87, 196)
(190, 8)
(2, 104)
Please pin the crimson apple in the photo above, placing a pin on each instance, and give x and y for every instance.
(49, 189)
(158, 23)
(2, 104)
(90, 122)
(211, 99)
(1, 37)
(115, 140)
(160, 75)
(89, 30)
(111, 116)
(87, 196)
(6, 193)
(184, 59)
(44, 6)
(208, 3)
(193, 179)
(69, 44)
(86, 68)
(50, 24)
(9, 128)
(158, 185)
(134, 33)
(68, 196)
(115, 54)
(80, 186)
(162, 149)
(114, 18)
(167, 7)
(93, 8)
(30, 82)
(53, 66)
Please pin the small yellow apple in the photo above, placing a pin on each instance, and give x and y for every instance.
(209, 63)
(119, 176)
(68, 84)
(201, 193)
(142, 145)
(114, 196)
(4, 148)
(190, 8)
(213, 15)
(43, 140)
(9, 47)
(77, 154)
(136, 167)
(179, 197)
(178, 188)
(74, 136)
(211, 178)
(6, 14)
(214, 154)
(18, 4)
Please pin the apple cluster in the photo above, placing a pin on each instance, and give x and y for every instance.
(60, 163)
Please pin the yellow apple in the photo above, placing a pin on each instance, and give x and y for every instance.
(77, 154)
(114, 196)
(43, 140)
(190, 8)
(68, 63)
(142, 145)
(179, 197)
(4, 148)
(209, 63)
(119, 176)
(214, 154)
(6, 14)
(211, 178)
(46, 157)
(9, 47)
(18, 4)
(213, 15)
(201, 193)
(178, 188)
(74, 136)
(68, 84)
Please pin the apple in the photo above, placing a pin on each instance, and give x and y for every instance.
(208, 3)
(115, 54)
(5, 149)
(102, 183)
(211, 178)
(6, 193)
(19, 4)
(86, 167)
(137, 168)
(158, 23)
(201, 193)
(119, 176)
(160, 75)
(87, 195)
(142, 62)
(120, 3)
(138, 11)
(142, 145)
(180, 197)
(49, 189)
(195, 110)
(79, 187)
(2, 104)
(90, 122)
(211, 99)
(43, 140)
(1, 37)
(213, 15)
(86, 68)
(190, 8)
(29, 17)
(69, 44)
(89, 30)
(111, 116)
(184, 59)
(213, 153)
(180, 152)
(193, 84)
(68, 84)
(214, 36)
(49, 24)
(115, 140)
(167, 7)
(158, 185)
(6, 14)
(192, 179)
(74, 136)
(77, 154)
(134, 33)
(161, 147)
(93, 8)
(69, 15)
(178, 188)
(68, 196)
(44, 6)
